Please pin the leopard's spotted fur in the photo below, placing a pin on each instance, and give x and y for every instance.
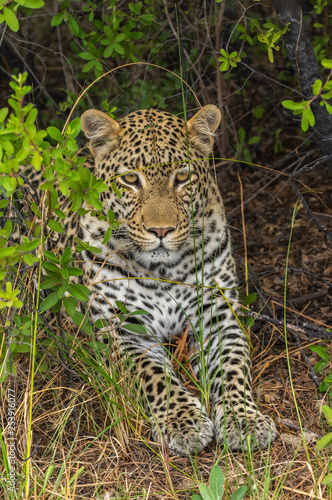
(169, 253)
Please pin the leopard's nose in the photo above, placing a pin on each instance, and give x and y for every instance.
(160, 231)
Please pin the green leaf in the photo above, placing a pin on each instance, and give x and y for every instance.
(217, 481)
(325, 441)
(197, 497)
(30, 259)
(224, 66)
(80, 292)
(13, 345)
(138, 312)
(118, 48)
(310, 116)
(36, 160)
(101, 323)
(11, 19)
(329, 108)
(270, 55)
(120, 37)
(64, 273)
(75, 271)
(121, 307)
(321, 351)
(66, 255)
(73, 25)
(9, 184)
(239, 494)
(107, 236)
(61, 292)
(328, 414)
(50, 256)
(88, 66)
(327, 63)
(49, 283)
(108, 51)
(249, 299)
(46, 185)
(110, 216)
(254, 140)
(55, 226)
(140, 329)
(33, 4)
(5, 252)
(3, 114)
(94, 249)
(316, 87)
(55, 134)
(41, 369)
(206, 492)
(23, 348)
(77, 201)
(82, 322)
(87, 56)
(32, 245)
(23, 153)
(3, 203)
(75, 129)
(250, 321)
(51, 268)
(70, 305)
(304, 122)
(327, 479)
(293, 105)
(319, 367)
(50, 301)
(31, 118)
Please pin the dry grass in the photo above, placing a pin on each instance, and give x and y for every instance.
(108, 448)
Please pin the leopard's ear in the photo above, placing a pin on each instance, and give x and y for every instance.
(202, 126)
(100, 129)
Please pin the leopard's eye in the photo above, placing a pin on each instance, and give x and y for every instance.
(131, 178)
(182, 176)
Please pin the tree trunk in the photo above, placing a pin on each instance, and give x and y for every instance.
(306, 68)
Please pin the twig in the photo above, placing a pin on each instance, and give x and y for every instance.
(308, 297)
(312, 331)
(3, 31)
(61, 54)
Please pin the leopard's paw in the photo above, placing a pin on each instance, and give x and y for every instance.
(186, 432)
(233, 428)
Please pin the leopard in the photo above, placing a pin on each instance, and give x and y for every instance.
(171, 257)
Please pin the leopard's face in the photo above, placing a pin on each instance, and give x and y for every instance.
(146, 155)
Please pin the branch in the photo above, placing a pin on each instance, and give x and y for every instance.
(311, 330)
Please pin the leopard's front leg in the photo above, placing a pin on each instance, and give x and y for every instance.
(229, 369)
(179, 420)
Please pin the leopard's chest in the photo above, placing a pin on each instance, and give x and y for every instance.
(170, 304)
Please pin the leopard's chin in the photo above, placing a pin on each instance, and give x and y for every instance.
(160, 256)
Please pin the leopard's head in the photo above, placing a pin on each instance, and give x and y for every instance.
(162, 164)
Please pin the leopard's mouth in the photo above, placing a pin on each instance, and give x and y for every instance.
(161, 247)
(158, 256)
